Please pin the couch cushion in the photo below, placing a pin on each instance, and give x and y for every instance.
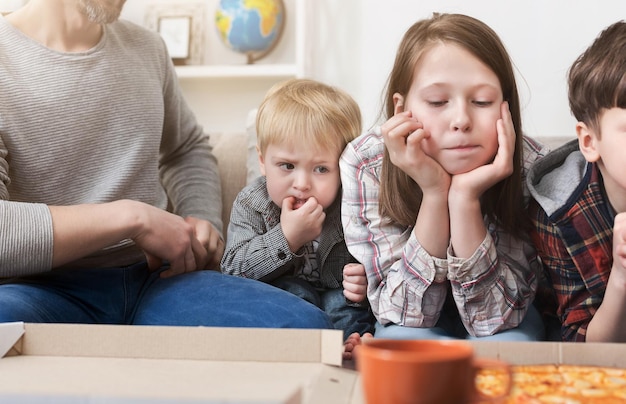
(229, 148)
(253, 157)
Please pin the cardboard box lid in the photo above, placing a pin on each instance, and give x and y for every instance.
(568, 353)
(139, 364)
(159, 342)
(108, 363)
(524, 353)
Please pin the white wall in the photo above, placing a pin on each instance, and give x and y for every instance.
(353, 43)
(359, 40)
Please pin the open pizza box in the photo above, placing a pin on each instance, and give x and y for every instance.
(558, 353)
(63, 363)
(535, 353)
(69, 363)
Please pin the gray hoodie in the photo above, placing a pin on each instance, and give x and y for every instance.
(553, 179)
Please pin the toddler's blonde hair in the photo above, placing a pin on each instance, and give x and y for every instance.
(307, 113)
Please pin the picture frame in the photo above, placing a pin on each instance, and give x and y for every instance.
(181, 24)
(176, 32)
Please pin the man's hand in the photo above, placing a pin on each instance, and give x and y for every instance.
(187, 244)
(213, 245)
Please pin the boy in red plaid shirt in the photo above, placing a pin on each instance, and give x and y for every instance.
(579, 192)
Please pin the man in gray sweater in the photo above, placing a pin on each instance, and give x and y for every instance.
(96, 142)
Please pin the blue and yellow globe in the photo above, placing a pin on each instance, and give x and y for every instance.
(252, 27)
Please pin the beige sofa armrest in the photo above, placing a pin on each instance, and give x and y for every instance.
(230, 151)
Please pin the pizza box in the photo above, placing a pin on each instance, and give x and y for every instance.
(73, 363)
(558, 353)
(535, 353)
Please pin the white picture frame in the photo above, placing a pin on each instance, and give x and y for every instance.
(176, 32)
(181, 24)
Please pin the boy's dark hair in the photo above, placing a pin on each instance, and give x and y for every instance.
(597, 79)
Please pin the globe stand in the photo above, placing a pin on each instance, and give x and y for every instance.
(254, 56)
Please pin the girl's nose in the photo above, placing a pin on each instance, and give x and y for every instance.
(460, 119)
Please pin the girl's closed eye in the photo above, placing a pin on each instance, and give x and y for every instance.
(434, 103)
(483, 103)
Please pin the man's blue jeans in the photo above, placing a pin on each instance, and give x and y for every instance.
(133, 295)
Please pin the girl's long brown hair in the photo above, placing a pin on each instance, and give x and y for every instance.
(400, 196)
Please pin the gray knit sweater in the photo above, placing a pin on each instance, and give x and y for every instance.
(106, 124)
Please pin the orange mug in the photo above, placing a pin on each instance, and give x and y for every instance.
(424, 372)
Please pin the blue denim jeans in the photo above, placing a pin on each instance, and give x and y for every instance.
(133, 295)
(530, 329)
(347, 317)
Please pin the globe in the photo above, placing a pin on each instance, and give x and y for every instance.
(252, 27)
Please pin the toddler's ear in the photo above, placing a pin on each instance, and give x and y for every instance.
(261, 161)
(587, 142)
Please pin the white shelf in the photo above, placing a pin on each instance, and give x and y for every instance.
(277, 71)
(222, 91)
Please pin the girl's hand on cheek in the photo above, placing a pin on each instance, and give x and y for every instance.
(403, 137)
(474, 183)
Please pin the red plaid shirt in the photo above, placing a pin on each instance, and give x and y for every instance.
(575, 245)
